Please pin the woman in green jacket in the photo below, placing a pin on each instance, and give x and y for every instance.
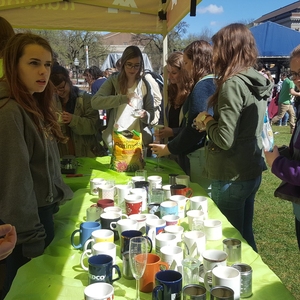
(235, 159)
(78, 120)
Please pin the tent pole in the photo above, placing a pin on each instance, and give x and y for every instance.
(165, 72)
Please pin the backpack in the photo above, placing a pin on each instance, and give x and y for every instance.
(158, 99)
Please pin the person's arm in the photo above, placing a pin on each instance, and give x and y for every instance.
(284, 168)
(294, 93)
(8, 239)
(18, 205)
(230, 106)
(106, 97)
(188, 138)
(86, 122)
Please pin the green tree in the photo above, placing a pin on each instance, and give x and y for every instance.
(68, 45)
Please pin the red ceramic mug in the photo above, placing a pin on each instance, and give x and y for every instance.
(103, 203)
(181, 189)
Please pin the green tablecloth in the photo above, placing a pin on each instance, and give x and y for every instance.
(58, 275)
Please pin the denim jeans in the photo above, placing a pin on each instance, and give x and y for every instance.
(235, 199)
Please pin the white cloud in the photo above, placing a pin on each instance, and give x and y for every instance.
(212, 9)
(213, 23)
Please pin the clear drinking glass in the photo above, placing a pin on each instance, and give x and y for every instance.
(138, 252)
(157, 141)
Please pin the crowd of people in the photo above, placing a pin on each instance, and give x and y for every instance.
(214, 118)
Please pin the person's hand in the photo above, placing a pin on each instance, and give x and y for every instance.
(8, 241)
(198, 121)
(160, 149)
(271, 156)
(66, 117)
(164, 133)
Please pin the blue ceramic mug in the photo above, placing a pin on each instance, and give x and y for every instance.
(85, 231)
(101, 269)
(168, 285)
(168, 207)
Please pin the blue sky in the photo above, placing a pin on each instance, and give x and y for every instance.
(215, 14)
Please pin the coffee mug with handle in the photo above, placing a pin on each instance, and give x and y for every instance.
(98, 236)
(168, 285)
(181, 189)
(99, 291)
(85, 232)
(225, 276)
(108, 248)
(101, 269)
(154, 265)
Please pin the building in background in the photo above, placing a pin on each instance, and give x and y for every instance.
(288, 16)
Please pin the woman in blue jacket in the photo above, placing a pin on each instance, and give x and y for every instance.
(188, 144)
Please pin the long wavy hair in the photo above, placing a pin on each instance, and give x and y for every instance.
(6, 32)
(179, 91)
(234, 50)
(129, 53)
(295, 52)
(40, 106)
(200, 52)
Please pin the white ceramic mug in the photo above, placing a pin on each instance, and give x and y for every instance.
(95, 183)
(106, 191)
(181, 201)
(213, 258)
(173, 256)
(136, 179)
(124, 224)
(195, 242)
(115, 210)
(171, 220)
(121, 191)
(175, 229)
(199, 202)
(141, 219)
(99, 291)
(225, 276)
(164, 239)
(98, 236)
(108, 248)
(213, 229)
(154, 227)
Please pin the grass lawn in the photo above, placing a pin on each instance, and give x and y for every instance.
(274, 226)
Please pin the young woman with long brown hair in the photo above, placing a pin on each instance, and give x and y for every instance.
(121, 93)
(189, 143)
(235, 161)
(179, 87)
(31, 186)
